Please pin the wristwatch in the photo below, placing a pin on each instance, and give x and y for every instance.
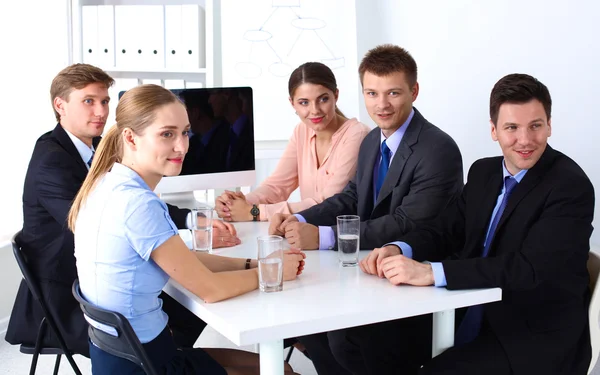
(255, 212)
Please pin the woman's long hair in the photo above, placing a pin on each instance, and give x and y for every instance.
(136, 110)
(315, 73)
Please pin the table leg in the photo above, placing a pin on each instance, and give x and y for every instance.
(443, 332)
(271, 357)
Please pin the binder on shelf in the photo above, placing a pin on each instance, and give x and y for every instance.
(89, 31)
(152, 81)
(193, 85)
(150, 37)
(174, 84)
(126, 28)
(193, 36)
(173, 37)
(106, 36)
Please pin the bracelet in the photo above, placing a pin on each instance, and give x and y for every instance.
(248, 263)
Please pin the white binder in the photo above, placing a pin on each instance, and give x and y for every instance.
(126, 28)
(89, 37)
(106, 36)
(193, 37)
(174, 84)
(150, 37)
(173, 37)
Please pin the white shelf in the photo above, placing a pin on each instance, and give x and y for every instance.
(210, 75)
(188, 74)
(139, 2)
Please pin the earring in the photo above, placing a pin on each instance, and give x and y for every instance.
(296, 112)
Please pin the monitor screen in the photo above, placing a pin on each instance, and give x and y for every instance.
(221, 140)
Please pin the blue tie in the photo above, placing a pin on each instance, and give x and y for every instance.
(471, 325)
(384, 165)
(89, 163)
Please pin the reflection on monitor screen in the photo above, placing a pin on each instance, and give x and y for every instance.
(221, 147)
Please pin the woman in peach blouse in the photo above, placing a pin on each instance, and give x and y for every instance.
(320, 157)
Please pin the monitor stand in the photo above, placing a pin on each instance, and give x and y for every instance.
(189, 199)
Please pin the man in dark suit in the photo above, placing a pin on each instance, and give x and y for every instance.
(58, 166)
(522, 223)
(408, 171)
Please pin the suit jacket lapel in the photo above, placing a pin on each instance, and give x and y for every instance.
(404, 150)
(484, 208)
(365, 188)
(64, 140)
(531, 179)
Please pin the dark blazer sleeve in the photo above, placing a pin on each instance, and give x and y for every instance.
(325, 213)
(57, 185)
(179, 216)
(555, 243)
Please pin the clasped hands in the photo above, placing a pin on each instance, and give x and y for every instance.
(389, 262)
(233, 206)
(299, 235)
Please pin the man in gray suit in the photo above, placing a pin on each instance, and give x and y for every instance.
(408, 172)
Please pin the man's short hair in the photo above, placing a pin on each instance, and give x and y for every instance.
(76, 77)
(517, 89)
(386, 59)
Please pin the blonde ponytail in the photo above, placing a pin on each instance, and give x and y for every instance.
(136, 110)
(109, 152)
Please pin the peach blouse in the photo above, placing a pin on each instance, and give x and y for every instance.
(298, 167)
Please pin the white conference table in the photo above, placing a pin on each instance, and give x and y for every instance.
(325, 297)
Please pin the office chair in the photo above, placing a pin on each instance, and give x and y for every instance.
(48, 320)
(123, 342)
(593, 266)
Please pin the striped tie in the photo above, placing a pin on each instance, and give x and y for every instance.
(89, 163)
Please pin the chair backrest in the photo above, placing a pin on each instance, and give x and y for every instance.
(122, 341)
(593, 266)
(34, 288)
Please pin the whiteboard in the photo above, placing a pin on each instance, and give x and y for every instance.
(263, 41)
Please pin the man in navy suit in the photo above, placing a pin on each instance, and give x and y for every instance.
(58, 166)
(522, 223)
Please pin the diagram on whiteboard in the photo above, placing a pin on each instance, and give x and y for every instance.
(285, 35)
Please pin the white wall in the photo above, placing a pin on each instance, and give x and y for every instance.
(34, 49)
(462, 47)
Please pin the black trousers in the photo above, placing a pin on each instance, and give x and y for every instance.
(394, 347)
(185, 326)
(317, 346)
(484, 355)
(165, 356)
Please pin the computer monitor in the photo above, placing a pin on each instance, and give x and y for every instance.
(221, 151)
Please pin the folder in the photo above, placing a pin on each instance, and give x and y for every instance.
(150, 37)
(126, 28)
(174, 84)
(89, 31)
(193, 37)
(152, 81)
(173, 36)
(106, 36)
(193, 85)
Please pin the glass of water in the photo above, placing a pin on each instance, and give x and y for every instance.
(270, 263)
(348, 237)
(202, 229)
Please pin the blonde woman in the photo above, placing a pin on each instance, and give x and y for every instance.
(127, 246)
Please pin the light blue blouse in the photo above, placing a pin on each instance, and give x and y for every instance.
(117, 229)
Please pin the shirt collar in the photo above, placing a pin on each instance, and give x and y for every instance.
(393, 141)
(84, 150)
(519, 176)
(122, 170)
